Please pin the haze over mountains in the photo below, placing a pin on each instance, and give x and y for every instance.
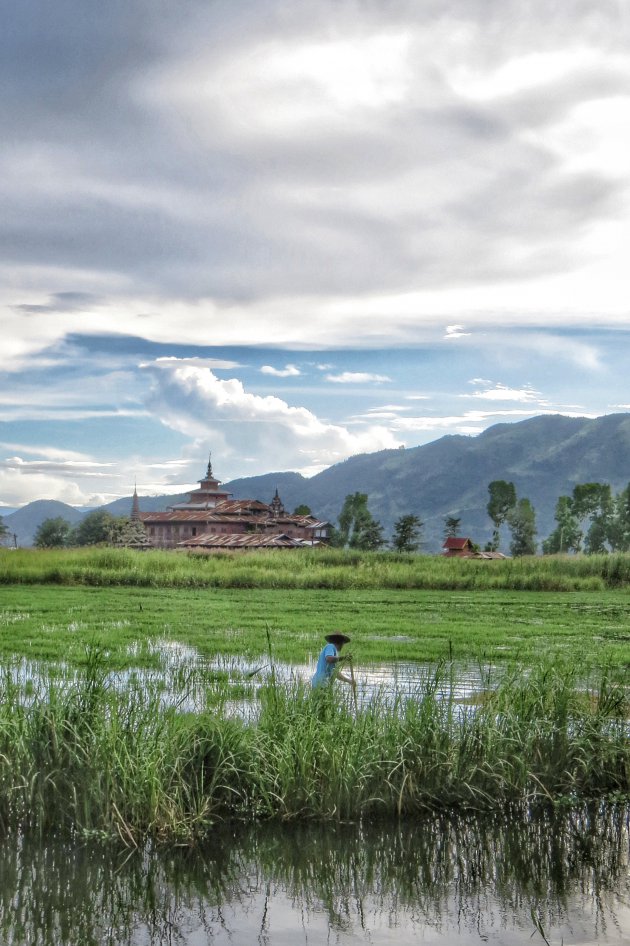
(544, 457)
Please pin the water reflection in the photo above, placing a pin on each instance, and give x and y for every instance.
(503, 881)
(185, 679)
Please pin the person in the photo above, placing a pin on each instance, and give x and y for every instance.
(329, 659)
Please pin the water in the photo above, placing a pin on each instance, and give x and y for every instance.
(516, 881)
(188, 680)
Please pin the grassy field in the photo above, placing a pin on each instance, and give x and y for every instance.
(102, 754)
(44, 622)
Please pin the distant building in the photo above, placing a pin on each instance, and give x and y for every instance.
(465, 548)
(458, 548)
(211, 519)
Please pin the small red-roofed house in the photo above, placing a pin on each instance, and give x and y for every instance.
(458, 548)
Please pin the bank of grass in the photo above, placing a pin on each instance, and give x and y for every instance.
(310, 569)
(96, 761)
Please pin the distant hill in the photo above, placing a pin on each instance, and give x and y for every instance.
(544, 457)
(25, 522)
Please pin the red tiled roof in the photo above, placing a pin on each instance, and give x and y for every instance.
(454, 543)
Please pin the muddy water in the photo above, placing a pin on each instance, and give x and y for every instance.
(563, 879)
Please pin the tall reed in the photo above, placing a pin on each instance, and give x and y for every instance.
(310, 568)
(98, 760)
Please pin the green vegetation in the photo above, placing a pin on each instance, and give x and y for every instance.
(88, 752)
(407, 534)
(55, 623)
(95, 759)
(593, 518)
(308, 569)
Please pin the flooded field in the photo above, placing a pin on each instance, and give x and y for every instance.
(188, 680)
(531, 879)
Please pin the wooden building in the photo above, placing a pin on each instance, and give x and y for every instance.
(210, 518)
(465, 548)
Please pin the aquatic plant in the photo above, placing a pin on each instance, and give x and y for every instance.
(93, 758)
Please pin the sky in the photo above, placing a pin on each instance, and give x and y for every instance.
(288, 233)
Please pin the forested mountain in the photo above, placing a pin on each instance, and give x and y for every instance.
(544, 457)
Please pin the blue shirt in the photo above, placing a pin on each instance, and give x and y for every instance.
(324, 670)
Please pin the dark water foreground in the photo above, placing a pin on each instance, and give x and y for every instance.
(559, 878)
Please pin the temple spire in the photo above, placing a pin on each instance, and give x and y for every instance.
(135, 506)
(209, 475)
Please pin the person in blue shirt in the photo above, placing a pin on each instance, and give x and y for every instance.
(329, 660)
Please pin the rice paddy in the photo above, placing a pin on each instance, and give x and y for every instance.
(101, 736)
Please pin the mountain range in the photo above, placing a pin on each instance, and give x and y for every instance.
(545, 457)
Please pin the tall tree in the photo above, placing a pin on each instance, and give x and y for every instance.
(619, 530)
(4, 529)
(567, 536)
(406, 536)
(593, 504)
(52, 533)
(521, 520)
(357, 527)
(451, 527)
(502, 501)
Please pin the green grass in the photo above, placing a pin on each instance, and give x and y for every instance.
(92, 759)
(310, 569)
(56, 622)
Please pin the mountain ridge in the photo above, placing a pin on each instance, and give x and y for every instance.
(544, 456)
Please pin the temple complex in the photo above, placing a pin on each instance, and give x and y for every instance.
(211, 519)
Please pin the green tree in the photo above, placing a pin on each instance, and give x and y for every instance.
(52, 533)
(567, 536)
(93, 529)
(302, 510)
(502, 501)
(521, 520)
(357, 527)
(593, 504)
(407, 531)
(619, 528)
(451, 527)
(4, 529)
(369, 538)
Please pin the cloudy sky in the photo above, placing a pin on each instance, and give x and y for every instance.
(293, 232)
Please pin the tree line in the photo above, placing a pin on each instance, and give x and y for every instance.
(593, 520)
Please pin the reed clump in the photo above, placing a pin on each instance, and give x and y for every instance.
(310, 569)
(103, 761)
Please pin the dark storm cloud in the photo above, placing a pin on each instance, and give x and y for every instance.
(106, 171)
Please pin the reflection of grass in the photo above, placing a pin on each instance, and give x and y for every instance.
(57, 622)
(96, 758)
(468, 878)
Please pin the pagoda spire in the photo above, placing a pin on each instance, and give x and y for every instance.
(135, 506)
(209, 475)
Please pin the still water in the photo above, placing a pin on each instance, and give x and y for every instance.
(528, 879)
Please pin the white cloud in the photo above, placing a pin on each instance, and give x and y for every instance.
(289, 371)
(357, 377)
(500, 392)
(237, 423)
(456, 331)
(473, 421)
